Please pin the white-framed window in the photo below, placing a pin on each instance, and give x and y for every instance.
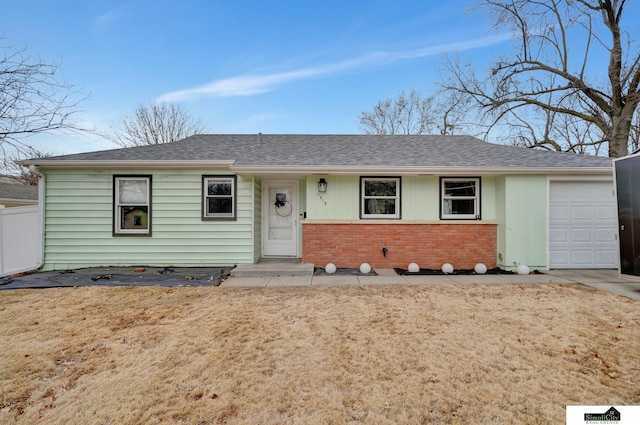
(460, 198)
(219, 197)
(380, 197)
(132, 205)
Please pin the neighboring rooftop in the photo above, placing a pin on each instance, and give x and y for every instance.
(244, 151)
(13, 192)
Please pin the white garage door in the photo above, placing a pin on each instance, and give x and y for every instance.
(582, 225)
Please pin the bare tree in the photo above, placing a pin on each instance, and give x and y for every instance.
(414, 114)
(549, 74)
(18, 172)
(634, 136)
(155, 124)
(403, 115)
(34, 99)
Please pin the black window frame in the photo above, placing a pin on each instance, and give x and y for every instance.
(398, 197)
(117, 230)
(478, 198)
(205, 197)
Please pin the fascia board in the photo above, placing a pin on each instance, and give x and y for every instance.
(439, 171)
(19, 200)
(44, 163)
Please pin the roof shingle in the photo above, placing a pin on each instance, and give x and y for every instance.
(291, 150)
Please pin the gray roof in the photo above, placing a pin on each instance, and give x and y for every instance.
(292, 150)
(18, 191)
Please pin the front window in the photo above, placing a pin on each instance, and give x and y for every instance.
(132, 205)
(219, 198)
(380, 197)
(460, 198)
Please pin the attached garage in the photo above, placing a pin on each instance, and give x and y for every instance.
(582, 225)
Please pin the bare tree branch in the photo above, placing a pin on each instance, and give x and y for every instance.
(416, 114)
(544, 74)
(34, 99)
(155, 124)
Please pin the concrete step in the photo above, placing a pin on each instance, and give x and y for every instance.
(271, 269)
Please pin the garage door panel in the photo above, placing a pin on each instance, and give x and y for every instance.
(602, 191)
(605, 258)
(605, 235)
(558, 192)
(559, 236)
(605, 213)
(582, 258)
(581, 236)
(581, 212)
(580, 192)
(558, 213)
(582, 225)
(560, 258)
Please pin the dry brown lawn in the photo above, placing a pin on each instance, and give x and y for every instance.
(504, 354)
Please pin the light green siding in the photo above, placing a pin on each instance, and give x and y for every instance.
(488, 202)
(302, 209)
(501, 217)
(420, 198)
(257, 221)
(79, 217)
(79, 229)
(340, 202)
(522, 205)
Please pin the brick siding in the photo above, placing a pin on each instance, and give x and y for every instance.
(429, 245)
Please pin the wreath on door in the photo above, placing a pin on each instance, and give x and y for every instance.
(281, 201)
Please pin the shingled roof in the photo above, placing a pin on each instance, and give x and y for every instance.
(248, 152)
(16, 192)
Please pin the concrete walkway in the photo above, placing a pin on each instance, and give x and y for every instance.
(607, 280)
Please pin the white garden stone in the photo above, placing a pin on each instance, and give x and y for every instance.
(365, 268)
(413, 268)
(447, 268)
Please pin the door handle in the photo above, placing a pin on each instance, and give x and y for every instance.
(622, 227)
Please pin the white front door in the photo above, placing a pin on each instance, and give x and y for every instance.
(279, 219)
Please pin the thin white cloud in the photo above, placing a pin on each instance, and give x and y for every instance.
(246, 85)
(103, 21)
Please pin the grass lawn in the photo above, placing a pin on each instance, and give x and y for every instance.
(448, 354)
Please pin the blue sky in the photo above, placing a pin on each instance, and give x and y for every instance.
(244, 66)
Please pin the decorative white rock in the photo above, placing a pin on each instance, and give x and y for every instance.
(522, 269)
(330, 268)
(413, 268)
(365, 268)
(480, 268)
(447, 268)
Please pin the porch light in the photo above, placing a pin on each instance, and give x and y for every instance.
(322, 185)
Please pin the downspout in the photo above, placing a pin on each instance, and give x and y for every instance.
(41, 191)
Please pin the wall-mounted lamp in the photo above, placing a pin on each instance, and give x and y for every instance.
(322, 186)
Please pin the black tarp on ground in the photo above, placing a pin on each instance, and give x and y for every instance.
(119, 276)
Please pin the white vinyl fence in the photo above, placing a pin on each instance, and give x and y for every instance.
(20, 237)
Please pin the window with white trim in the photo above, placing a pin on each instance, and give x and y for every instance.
(460, 198)
(380, 197)
(219, 197)
(132, 205)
